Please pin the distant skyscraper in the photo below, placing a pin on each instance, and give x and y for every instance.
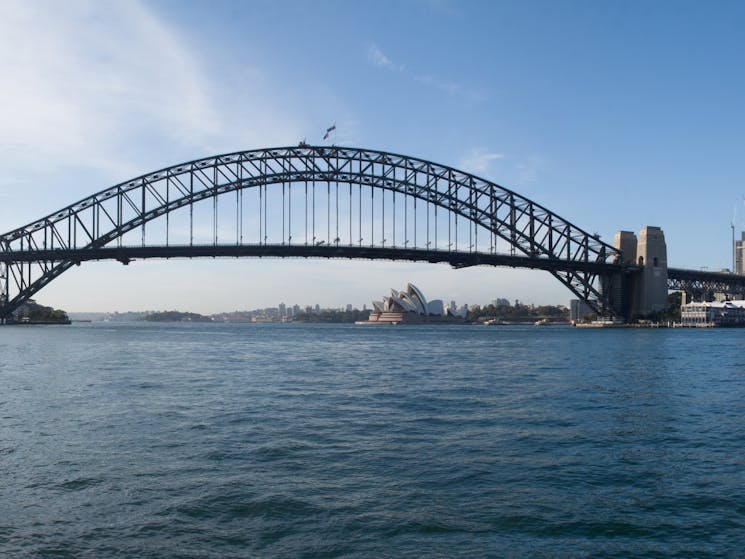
(579, 310)
(282, 310)
(739, 254)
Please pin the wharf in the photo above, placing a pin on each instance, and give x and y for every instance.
(618, 325)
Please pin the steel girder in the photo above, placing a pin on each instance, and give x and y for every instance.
(101, 219)
(704, 284)
(457, 259)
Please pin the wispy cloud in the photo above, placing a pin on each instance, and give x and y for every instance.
(451, 88)
(529, 169)
(93, 85)
(378, 58)
(81, 82)
(479, 161)
(348, 132)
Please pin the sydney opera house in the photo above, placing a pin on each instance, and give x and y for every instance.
(410, 306)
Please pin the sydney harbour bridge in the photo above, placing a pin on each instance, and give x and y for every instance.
(326, 202)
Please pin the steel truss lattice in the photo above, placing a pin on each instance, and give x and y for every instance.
(704, 285)
(33, 255)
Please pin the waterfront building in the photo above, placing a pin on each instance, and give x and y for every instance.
(715, 313)
(410, 306)
(579, 310)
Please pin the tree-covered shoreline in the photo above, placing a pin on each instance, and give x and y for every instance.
(33, 313)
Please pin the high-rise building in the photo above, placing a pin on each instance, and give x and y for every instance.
(739, 249)
(578, 310)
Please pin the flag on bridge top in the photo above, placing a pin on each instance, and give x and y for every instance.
(329, 130)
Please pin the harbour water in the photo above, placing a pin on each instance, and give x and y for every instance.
(281, 440)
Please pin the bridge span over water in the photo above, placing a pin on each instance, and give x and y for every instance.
(326, 202)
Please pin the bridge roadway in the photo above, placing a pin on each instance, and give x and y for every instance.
(678, 278)
(125, 254)
(704, 281)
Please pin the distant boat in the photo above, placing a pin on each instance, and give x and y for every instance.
(541, 322)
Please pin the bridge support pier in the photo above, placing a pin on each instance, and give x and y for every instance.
(613, 288)
(645, 260)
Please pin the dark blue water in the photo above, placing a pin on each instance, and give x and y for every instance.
(343, 441)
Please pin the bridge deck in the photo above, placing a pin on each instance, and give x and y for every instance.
(126, 254)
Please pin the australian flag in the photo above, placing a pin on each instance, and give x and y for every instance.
(329, 130)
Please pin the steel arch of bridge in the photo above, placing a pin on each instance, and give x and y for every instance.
(33, 255)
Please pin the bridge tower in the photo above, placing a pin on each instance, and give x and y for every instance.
(651, 254)
(624, 296)
(645, 282)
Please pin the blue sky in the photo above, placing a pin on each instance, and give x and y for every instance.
(612, 114)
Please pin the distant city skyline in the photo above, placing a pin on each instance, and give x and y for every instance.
(613, 115)
(289, 310)
(292, 307)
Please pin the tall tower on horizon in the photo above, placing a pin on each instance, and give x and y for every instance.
(739, 252)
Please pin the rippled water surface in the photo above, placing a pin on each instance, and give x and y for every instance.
(139, 440)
